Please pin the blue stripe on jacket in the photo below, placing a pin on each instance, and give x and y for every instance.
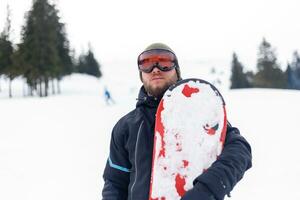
(111, 164)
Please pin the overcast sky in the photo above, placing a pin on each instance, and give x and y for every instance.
(206, 31)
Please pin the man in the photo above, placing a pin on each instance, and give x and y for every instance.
(128, 169)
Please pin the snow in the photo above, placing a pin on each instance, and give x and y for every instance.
(57, 147)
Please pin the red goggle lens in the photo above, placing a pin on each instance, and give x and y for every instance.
(157, 57)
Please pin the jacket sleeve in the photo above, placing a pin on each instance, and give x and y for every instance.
(117, 169)
(230, 166)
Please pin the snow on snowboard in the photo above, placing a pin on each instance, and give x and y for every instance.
(190, 130)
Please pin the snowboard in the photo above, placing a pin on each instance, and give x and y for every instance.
(190, 130)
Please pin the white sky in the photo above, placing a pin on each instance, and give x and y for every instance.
(200, 30)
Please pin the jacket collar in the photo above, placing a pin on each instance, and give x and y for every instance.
(145, 100)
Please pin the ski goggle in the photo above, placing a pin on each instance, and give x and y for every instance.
(164, 60)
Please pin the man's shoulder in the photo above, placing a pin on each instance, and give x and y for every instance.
(126, 123)
(129, 118)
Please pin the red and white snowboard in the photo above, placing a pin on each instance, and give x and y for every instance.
(190, 130)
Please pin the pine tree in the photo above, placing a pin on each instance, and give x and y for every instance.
(44, 50)
(88, 64)
(269, 74)
(294, 72)
(289, 76)
(6, 53)
(238, 77)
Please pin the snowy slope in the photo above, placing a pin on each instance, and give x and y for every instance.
(269, 119)
(56, 147)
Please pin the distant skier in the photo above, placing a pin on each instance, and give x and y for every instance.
(108, 98)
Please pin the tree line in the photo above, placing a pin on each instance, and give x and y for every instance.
(269, 73)
(43, 57)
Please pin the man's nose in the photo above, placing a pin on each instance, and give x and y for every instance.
(156, 70)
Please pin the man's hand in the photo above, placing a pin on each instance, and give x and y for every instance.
(198, 192)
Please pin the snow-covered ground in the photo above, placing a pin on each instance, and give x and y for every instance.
(56, 147)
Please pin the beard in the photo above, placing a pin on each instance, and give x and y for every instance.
(158, 91)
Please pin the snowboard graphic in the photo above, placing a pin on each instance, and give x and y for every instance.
(190, 130)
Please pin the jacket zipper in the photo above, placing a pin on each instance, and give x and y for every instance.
(135, 158)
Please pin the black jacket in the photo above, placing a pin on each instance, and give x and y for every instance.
(128, 169)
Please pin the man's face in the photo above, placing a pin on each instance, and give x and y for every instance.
(157, 81)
